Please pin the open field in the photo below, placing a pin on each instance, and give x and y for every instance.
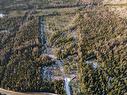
(50, 11)
(44, 11)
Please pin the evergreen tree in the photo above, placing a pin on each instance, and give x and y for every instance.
(82, 50)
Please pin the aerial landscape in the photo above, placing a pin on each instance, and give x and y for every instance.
(63, 47)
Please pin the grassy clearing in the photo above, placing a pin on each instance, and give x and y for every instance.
(16, 13)
(40, 12)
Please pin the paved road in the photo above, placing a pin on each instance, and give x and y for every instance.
(7, 92)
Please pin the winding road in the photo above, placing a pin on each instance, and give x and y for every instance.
(7, 92)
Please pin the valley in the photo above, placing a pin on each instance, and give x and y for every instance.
(77, 47)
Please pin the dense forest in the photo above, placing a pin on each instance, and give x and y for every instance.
(102, 37)
(92, 44)
(20, 58)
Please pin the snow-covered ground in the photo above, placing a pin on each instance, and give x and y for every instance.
(2, 15)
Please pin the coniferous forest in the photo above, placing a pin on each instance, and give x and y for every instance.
(45, 43)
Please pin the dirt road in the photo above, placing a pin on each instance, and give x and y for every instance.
(7, 92)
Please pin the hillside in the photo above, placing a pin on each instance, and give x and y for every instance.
(40, 51)
(117, 6)
(20, 58)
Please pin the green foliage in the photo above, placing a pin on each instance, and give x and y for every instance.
(10, 23)
(21, 72)
(59, 87)
(101, 35)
